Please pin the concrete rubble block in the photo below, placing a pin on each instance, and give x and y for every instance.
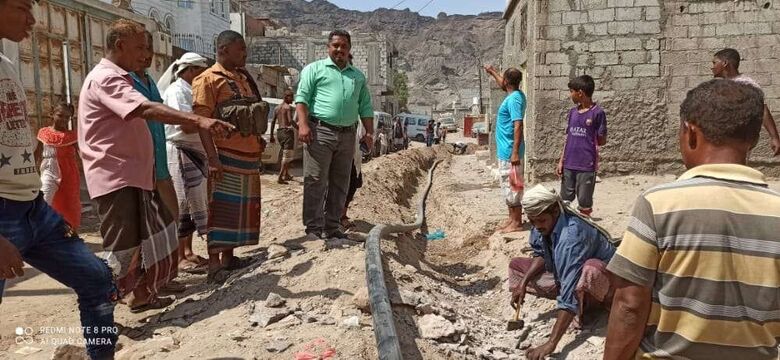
(274, 300)
(352, 322)
(425, 309)
(278, 346)
(625, 84)
(685, 20)
(263, 316)
(559, 5)
(757, 28)
(277, 251)
(685, 44)
(555, 58)
(287, 321)
(437, 328)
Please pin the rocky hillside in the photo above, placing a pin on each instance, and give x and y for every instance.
(439, 55)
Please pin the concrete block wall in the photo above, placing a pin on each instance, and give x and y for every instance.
(370, 55)
(644, 56)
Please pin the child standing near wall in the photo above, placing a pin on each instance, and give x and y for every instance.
(586, 130)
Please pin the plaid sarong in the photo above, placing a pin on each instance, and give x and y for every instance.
(189, 171)
(139, 239)
(234, 207)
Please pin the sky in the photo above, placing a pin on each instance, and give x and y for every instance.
(468, 7)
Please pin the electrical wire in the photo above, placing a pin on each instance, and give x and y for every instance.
(425, 6)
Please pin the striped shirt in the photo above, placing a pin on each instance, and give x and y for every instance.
(709, 247)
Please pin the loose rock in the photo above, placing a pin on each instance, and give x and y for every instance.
(436, 327)
(352, 322)
(69, 352)
(277, 251)
(263, 316)
(361, 301)
(278, 346)
(274, 301)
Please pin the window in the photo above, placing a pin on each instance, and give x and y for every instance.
(185, 4)
(169, 22)
(422, 122)
(154, 15)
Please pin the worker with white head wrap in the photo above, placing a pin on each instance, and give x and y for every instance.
(186, 159)
(568, 264)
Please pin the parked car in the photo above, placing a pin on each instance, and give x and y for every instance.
(272, 156)
(415, 125)
(448, 124)
(478, 128)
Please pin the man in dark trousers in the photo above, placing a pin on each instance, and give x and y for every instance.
(332, 96)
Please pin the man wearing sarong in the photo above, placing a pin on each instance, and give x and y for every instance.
(186, 159)
(138, 231)
(234, 161)
(285, 135)
(32, 231)
(570, 255)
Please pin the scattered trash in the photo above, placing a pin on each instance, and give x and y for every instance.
(27, 350)
(319, 346)
(436, 235)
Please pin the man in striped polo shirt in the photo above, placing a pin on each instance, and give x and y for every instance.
(700, 260)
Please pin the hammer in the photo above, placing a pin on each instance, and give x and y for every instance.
(515, 324)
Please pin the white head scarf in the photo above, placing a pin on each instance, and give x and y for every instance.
(172, 73)
(540, 198)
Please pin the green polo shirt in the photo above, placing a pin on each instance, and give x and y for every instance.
(336, 96)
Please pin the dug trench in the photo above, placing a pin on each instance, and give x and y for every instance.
(307, 298)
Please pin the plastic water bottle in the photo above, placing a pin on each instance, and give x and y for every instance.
(436, 235)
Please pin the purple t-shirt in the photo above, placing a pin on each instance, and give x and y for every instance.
(582, 133)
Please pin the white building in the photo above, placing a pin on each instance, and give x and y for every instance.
(194, 24)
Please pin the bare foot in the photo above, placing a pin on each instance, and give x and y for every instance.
(510, 228)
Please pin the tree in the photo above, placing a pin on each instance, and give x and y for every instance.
(401, 88)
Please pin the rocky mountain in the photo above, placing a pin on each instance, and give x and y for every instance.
(440, 56)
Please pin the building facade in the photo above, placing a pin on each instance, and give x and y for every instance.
(372, 54)
(644, 55)
(193, 24)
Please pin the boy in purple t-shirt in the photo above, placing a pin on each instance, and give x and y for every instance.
(586, 130)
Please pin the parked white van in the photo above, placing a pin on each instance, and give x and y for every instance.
(415, 125)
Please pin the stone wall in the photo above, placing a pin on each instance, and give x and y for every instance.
(644, 56)
(373, 55)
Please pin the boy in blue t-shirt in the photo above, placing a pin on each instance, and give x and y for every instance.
(510, 146)
(586, 130)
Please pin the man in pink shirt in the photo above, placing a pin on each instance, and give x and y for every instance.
(139, 233)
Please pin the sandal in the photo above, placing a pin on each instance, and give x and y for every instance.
(194, 268)
(156, 304)
(238, 263)
(218, 276)
(174, 287)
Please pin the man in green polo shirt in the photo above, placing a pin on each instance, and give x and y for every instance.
(332, 95)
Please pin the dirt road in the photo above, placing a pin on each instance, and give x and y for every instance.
(320, 285)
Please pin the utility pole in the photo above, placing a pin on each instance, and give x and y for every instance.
(479, 74)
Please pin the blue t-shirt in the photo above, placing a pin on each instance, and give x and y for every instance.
(511, 110)
(155, 127)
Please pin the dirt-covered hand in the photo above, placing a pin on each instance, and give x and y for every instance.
(540, 352)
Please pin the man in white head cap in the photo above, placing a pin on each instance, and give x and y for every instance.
(186, 159)
(570, 254)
